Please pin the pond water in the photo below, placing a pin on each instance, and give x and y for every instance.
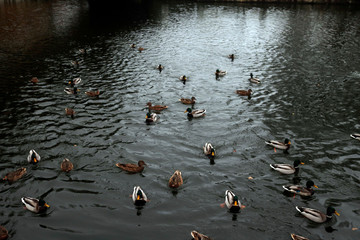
(306, 56)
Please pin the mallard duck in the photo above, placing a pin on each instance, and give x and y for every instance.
(70, 111)
(254, 80)
(188, 101)
(139, 197)
(301, 190)
(71, 91)
(93, 93)
(220, 73)
(199, 236)
(232, 201)
(317, 216)
(133, 45)
(232, 57)
(244, 92)
(287, 168)
(140, 49)
(131, 167)
(176, 180)
(33, 156)
(66, 165)
(35, 205)
(15, 175)
(156, 107)
(3, 233)
(160, 67)
(183, 78)
(209, 150)
(74, 81)
(279, 145)
(151, 117)
(355, 136)
(297, 237)
(195, 113)
(34, 80)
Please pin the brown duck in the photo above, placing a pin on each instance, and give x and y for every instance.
(131, 167)
(244, 92)
(70, 112)
(199, 236)
(176, 180)
(156, 107)
(93, 93)
(15, 175)
(66, 165)
(187, 100)
(34, 80)
(3, 233)
(140, 49)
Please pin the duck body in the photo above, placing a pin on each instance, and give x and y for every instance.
(183, 78)
(209, 150)
(297, 237)
(15, 175)
(244, 92)
(199, 236)
(34, 80)
(232, 57)
(156, 107)
(3, 233)
(304, 191)
(195, 113)
(279, 145)
(316, 215)
(140, 49)
(287, 168)
(70, 112)
(35, 205)
(160, 67)
(33, 157)
(176, 180)
(220, 73)
(151, 117)
(355, 136)
(71, 91)
(252, 79)
(131, 167)
(188, 101)
(139, 197)
(93, 93)
(232, 201)
(66, 165)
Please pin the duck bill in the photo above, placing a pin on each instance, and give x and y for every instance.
(185, 112)
(236, 203)
(315, 186)
(302, 163)
(337, 214)
(213, 154)
(138, 197)
(47, 205)
(35, 161)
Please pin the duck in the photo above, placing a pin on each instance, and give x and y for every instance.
(151, 117)
(74, 81)
(160, 67)
(183, 78)
(254, 80)
(199, 236)
(305, 191)
(232, 202)
(131, 167)
(232, 57)
(287, 168)
(82, 51)
(35, 205)
(355, 136)
(317, 216)
(279, 145)
(176, 180)
(75, 62)
(209, 150)
(297, 237)
(156, 107)
(71, 91)
(195, 113)
(66, 165)
(15, 175)
(133, 45)
(33, 157)
(139, 197)
(244, 92)
(70, 111)
(140, 49)
(93, 93)
(4, 234)
(34, 80)
(188, 101)
(220, 73)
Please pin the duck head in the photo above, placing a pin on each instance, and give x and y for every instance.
(310, 184)
(330, 211)
(297, 162)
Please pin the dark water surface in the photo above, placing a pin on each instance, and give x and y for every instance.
(307, 57)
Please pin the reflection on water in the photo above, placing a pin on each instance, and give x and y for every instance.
(304, 55)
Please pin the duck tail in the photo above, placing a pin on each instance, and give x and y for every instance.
(272, 166)
(268, 142)
(286, 188)
(355, 136)
(299, 209)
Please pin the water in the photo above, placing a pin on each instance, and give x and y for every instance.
(305, 55)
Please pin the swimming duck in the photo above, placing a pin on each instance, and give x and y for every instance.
(33, 156)
(188, 101)
(82, 50)
(297, 237)
(93, 93)
(70, 111)
(232, 202)
(209, 150)
(140, 49)
(75, 62)
(160, 67)
(156, 107)
(199, 236)
(232, 57)
(355, 136)
(195, 113)
(133, 45)
(151, 117)
(301, 190)
(176, 180)
(254, 80)
(244, 92)
(15, 175)
(3, 233)
(131, 167)
(279, 145)
(220, 73)
(139, 197)
(66, 165)
(35, 205)
(71, 91)
(317, 216)
(287, 168)
(74, 81)
(183, 78)
(34, 80)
